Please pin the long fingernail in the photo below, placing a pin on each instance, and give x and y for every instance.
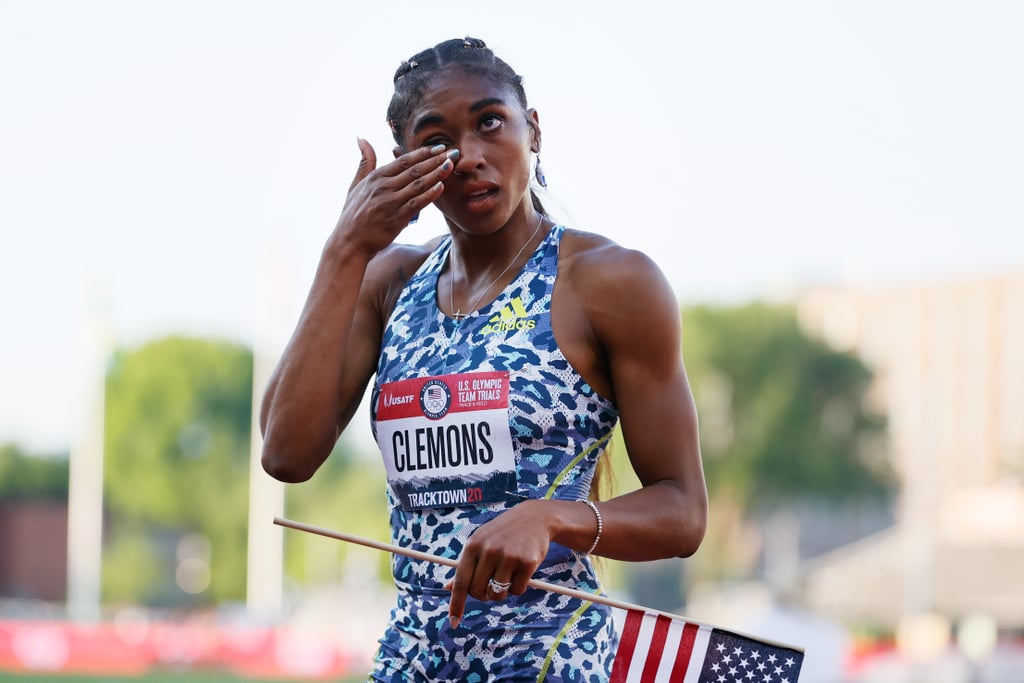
(437, 149)
(453, 154)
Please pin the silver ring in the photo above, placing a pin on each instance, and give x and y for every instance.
(497, 587)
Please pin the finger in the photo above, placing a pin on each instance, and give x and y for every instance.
(489, 579)
(421, 190)
(459, 587)
(367, 163)
(413, 161)
(520, 582)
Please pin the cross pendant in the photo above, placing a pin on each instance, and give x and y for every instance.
(459, 316)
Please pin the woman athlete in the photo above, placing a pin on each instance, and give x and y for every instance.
(502, 355)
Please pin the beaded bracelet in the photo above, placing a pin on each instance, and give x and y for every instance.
(600, 524)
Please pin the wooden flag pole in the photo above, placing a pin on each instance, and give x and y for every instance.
(534, 583)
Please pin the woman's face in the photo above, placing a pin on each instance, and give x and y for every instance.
(494, 136)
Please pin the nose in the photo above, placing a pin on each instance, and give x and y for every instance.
(471, 156)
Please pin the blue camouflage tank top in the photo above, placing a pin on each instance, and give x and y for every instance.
(557, 425)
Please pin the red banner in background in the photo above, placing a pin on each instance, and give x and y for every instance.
(133, 648)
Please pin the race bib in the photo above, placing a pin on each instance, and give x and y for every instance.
(445, 440)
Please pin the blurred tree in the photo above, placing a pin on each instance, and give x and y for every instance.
(178, 413)
(783, 418)
(30, 475)
(347, 493)
(782, 414)
(177, 476)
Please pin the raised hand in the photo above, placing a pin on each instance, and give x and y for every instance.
(382, 201)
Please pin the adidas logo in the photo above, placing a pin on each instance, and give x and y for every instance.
(513, 316)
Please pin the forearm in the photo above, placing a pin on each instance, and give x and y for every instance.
(655, 522)
(304, 397)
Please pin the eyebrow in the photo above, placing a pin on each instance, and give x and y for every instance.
(431, 119)
(486, 102)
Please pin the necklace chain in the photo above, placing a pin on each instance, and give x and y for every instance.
(458, 315)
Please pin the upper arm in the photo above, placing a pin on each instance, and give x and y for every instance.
(386, 275)
(636, 321)
(322, 375)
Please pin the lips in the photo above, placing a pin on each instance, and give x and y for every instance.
(479, 196)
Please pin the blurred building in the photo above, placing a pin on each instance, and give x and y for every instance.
(33, 549)
(949, 375)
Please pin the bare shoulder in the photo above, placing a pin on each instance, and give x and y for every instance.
(615, 313)
(399, 258)
(601, 270)
(389, 271)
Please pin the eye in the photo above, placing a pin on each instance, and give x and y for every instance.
(430, 142)
(491, 122)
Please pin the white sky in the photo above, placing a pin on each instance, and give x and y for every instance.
(176, 166)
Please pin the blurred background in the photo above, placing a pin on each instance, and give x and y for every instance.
(833, 190)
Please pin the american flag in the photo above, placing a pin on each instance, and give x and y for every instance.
(655, 648)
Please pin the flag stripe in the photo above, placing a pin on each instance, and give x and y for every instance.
(641, 652)
(672, 642)
(682, 662)
(627, 644)
(699, 647)
(655, 650)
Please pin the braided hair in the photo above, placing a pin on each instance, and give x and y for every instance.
(412, 79)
